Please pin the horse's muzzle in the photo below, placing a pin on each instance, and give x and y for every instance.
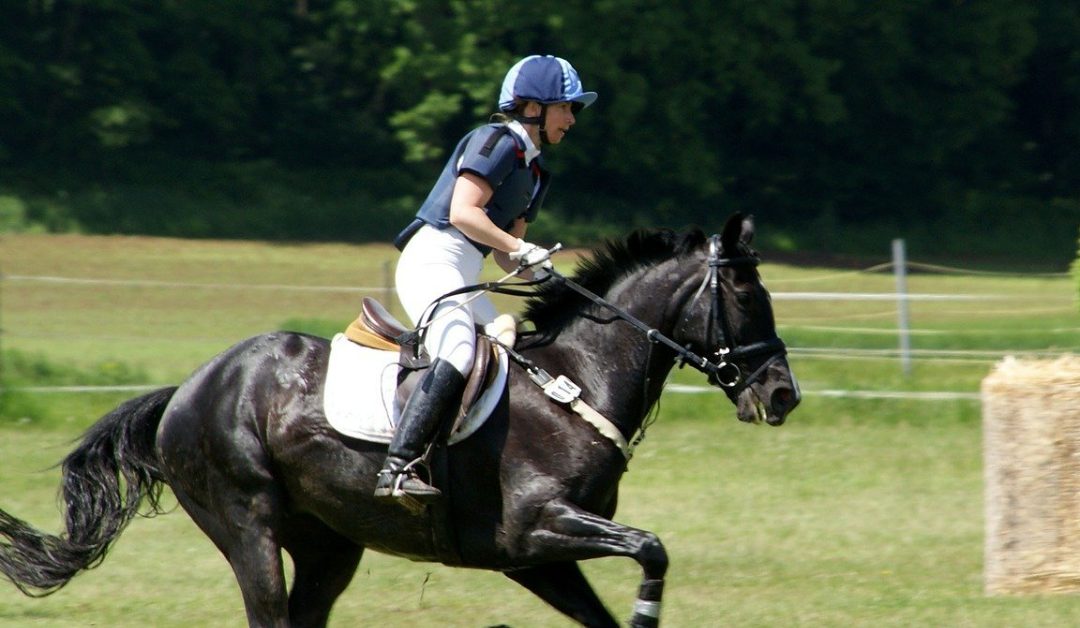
(771, 399)
(785, 396)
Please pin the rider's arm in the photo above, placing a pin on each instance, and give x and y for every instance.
(471, 194)
(517, 230)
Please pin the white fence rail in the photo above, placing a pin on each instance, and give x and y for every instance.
(901, 298)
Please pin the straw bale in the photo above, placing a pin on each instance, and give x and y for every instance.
(1031, 458)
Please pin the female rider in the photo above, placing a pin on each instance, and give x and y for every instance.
(490, 189)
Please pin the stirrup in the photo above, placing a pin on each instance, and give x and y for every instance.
(404, 486)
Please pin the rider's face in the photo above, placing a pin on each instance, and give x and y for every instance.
(558, 120)
(560, 117)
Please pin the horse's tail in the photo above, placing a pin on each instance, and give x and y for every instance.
(105, 479)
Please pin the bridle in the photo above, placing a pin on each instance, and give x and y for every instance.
(725, 371)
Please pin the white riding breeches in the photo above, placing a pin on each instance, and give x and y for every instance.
(433, 263)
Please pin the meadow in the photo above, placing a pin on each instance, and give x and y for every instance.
(861, 511)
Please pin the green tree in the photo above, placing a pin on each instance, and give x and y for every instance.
(831, 114)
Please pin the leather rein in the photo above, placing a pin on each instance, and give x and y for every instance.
(725, 371)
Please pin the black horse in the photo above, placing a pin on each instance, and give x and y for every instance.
(245, 447)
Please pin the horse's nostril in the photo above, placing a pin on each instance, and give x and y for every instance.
(784, 400)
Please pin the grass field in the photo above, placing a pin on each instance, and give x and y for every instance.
(859, 512)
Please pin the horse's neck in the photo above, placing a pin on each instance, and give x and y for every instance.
(620, 370)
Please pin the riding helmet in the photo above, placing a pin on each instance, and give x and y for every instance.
(545, 79)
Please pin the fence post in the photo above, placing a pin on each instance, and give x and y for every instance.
(903, 320)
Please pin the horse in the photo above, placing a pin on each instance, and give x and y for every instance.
(244, 445)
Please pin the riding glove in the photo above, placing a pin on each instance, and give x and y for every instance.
(531, 255)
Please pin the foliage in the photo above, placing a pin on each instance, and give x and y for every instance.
(827, 116)
(13, 218)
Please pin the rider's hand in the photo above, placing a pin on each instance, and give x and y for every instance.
(531, 255)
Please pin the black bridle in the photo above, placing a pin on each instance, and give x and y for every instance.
(725, 370)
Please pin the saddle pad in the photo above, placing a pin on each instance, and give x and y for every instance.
(360, 388)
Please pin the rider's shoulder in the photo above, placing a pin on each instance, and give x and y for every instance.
(492, 140)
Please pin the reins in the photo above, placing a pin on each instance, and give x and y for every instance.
(725, 352)
(724, 372)
(499, 286)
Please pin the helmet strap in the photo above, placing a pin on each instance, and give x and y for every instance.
(543, 124)
(539, 120)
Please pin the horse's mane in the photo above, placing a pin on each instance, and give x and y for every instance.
(555, 304)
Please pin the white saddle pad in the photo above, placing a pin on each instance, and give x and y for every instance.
(360, 390)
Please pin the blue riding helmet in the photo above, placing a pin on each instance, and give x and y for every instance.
(545, 79)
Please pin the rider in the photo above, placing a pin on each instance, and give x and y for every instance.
(490, 189)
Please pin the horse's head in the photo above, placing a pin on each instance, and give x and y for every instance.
(705, 292)
(729, 321)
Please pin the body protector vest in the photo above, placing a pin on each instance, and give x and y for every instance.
(493, 153)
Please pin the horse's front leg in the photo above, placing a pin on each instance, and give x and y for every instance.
(565, 532)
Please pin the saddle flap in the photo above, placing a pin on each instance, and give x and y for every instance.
(363, 394)
(477, 380)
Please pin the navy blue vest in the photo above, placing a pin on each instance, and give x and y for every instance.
(491, 152)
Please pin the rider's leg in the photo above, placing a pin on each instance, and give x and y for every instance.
(435, 397)
(451, 339)
(433, 264)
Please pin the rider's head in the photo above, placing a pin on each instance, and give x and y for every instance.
(540, 85)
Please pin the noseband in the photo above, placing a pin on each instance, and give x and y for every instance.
(725, 371)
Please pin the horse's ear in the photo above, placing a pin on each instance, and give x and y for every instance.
(747, 230)
(739, 229)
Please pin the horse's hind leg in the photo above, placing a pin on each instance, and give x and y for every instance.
(324, 563)
(563, 586)
(248, 542)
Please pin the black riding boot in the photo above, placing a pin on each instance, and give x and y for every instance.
(437, 394)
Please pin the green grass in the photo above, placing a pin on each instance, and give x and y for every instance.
(856, 513)
(835, 519)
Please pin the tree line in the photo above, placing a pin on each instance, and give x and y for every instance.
(828, 118)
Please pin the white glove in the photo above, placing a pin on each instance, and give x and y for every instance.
(531, 255)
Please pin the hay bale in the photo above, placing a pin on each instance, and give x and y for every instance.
(1031, 458)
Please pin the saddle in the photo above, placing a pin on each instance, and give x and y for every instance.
(376, 327)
